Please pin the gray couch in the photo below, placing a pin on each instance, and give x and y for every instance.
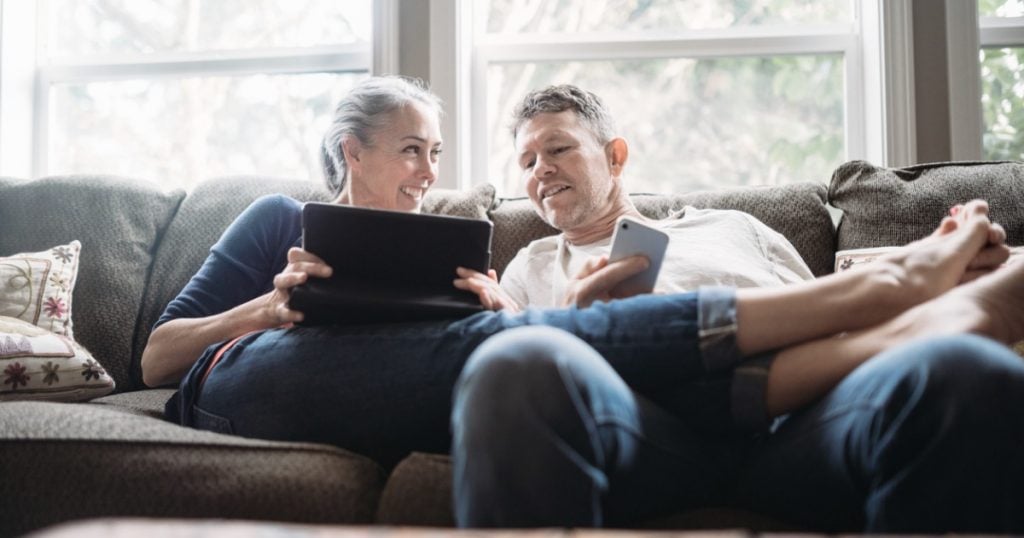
(115, 456)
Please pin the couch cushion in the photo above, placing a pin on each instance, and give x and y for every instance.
(470, 204)
(894, 206)
(119, 222)
(70, 461)
(796, 211)
(418, 492)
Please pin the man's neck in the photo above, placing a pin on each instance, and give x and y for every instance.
(603, 226)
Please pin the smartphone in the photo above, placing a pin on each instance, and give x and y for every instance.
(631, 238)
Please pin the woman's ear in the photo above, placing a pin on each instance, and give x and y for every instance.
(351, 148)
(617, 151)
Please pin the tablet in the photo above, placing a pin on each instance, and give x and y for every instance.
(389, 266)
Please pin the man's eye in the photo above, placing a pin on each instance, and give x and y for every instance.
(529, 164)
(560, 149)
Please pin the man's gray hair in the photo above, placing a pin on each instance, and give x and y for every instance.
(554, 99)
(362, 113)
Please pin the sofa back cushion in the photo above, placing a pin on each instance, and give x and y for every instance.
(119, 222)
(214, 204)
(894, 206)
(796, 211)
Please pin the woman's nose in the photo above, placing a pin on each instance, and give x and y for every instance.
(428, 169)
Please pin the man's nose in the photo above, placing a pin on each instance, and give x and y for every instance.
(543, 168)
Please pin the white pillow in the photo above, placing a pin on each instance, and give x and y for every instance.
(36, 364)
(36, 287)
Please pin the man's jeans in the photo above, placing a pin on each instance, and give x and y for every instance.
(923, 438)
(384, 391)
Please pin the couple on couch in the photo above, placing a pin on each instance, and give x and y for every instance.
(881, 398)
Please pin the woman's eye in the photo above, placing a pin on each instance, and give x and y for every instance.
(435, 152)
(415, 150)
(560, 149)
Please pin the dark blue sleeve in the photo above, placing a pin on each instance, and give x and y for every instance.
(243, 262)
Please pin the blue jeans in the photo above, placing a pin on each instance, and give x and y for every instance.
(924, 438)
(927, 438)
(384, 391)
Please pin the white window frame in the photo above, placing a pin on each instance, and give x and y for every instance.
(990, 32)
(877, 47)
(966, 35)
(26, 76)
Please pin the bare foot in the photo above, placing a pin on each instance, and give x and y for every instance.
(992, 306)
(963, 247)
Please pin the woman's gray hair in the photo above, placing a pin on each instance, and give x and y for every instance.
(362, 113)
(555, 99)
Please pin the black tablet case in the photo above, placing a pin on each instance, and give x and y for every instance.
(389, 266)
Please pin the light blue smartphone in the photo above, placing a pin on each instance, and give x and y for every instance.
(632, 237)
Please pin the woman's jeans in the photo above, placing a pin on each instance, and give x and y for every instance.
(927, 437)
(384, 391)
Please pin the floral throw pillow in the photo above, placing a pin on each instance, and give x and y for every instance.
(36, 287)
(36, 364)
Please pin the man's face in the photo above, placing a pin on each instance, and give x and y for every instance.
(566, 171)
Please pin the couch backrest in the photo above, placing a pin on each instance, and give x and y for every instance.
(140, 245)
(119, 223)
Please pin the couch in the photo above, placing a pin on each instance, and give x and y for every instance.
(115, 456)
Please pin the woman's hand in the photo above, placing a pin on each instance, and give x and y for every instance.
(486, 287)
(597, 279)
(301, 266)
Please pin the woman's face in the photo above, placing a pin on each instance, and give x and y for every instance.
(396, 170)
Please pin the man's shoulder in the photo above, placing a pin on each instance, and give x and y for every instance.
(692, 216)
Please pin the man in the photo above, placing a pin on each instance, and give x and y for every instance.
(572, 166)
(547, 433)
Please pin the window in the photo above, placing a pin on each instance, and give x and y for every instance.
(177, 91)
(708, 93)
(1001, 32)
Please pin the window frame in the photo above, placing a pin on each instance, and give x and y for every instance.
(876, 46)
(27, 78)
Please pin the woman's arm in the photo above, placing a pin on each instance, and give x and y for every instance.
(174, 346)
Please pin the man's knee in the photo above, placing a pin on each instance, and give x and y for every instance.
(964, 382)
(514, 376)
(524, 376)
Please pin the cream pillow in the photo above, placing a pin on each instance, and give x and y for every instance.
(36, 364)
(36, 287)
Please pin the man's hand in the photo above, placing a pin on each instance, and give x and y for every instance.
(301, 266)
(598, 279)
(486, 287)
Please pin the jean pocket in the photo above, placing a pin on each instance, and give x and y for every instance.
(205, 420)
